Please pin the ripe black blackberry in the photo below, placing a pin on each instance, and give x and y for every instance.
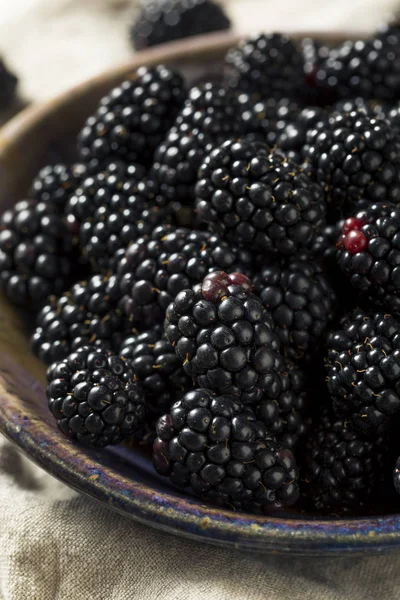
(325, 247)
(157, 367)
(36, 252)
(300, 300)
(268, 65)
(292, 138)
(156, 269)
(393, 116)
(366, 68)
(163, 21)
(368, 254)
(225, 339)
(8, 85)
(133, 118)
(121, 218)
(86, 315)
(263, 121)
(95, 397)
(371, 108)
(355, 157)
(285, 416)
(99, 188)
(211, 114)
(56, 183)
(314, 53)
(342, 467)
(259, 199)
(364, 369)
(215, 447)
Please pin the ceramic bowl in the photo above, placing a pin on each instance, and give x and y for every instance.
(123, 478)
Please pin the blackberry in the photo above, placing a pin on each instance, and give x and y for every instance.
(56, 183)
(101, 187)
(156, 269)
(211, 114)
(35, 252)
(366, 68)
(215, 447)
(95, 397)
(120, 219)
(259, 199)
(300, 300)
(371, 108)
(157, 367)
(364, 369)
(355, 157)
(163, 21)
(267, 65)
(225, 339)
(292, 139)
(393, 116)
(263, 121)
(368, 254)
(86, 315)
(342, 467)
(133, 118)
(324, 245)
(8, 85)
(285, 416)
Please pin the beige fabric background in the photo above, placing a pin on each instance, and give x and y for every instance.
(57, 545)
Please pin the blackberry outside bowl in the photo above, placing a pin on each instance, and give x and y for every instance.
(123, 478)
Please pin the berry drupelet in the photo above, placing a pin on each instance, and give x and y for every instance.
(54, 184)
(164, 21)
(95, 397)
(133, 118)
(8, 85)
(157, 367)
(259, 199)
(211, 114)
(224, 338)
(363, 365)
(368, 254)
(300, 300)
(215, 447)
(170, 260)
(35, 252)
(267, 65)
(355, 157)
(366, 68)
(88, 314)
(285, 416)
(342, 467)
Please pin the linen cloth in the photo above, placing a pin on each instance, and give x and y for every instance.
(58, 545)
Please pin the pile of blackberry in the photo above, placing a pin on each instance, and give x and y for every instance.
(217, 276)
